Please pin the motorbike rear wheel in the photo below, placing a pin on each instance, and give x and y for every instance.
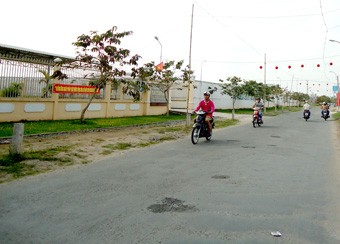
(195, 135)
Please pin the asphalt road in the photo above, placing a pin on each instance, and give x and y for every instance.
(238, 188)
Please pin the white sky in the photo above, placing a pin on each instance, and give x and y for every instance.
(230, 38)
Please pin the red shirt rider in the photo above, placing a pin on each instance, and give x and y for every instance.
(206, 105)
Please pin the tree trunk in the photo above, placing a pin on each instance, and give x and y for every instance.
(166, 95)
(87, 106)
(233, 111)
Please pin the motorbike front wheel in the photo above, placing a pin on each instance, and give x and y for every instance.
(209, 137)
(254, 122)
(195, 135)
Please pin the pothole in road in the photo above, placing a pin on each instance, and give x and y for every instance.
(276, 136)
(171, 205)
(248, 146)
(272, 145)
(220, 177)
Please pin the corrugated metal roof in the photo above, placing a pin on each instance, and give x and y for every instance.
(28, 55)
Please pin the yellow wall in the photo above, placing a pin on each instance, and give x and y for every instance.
(17, 109)
(55, 108)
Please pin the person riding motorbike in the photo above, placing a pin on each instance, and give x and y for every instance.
(258, 104)
(324, 106)
(306, 108)
(207, 106)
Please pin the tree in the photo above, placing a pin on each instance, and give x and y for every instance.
(300, 97)
(47, 78)
(275, 91)
(164, 78)
(234, 89)
(321, 99)
(253, 89)
(103, 53)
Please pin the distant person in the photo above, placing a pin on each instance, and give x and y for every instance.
(324, 107)
(306, 108)
(259, 105)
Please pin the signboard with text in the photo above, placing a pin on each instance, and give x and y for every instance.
(79, 89)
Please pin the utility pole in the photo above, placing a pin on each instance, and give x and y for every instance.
(264, 82)
(189, 85)
(307, 86)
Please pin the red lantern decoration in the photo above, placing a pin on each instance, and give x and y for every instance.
(261, 67)
(302, 66)
(318, 65)
(289, 66)
(276, 67)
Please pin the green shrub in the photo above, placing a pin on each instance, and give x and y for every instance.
(12, 91)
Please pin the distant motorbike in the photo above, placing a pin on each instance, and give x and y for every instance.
(306, 114)
(325, 114)
(257, 120)
(201, 128)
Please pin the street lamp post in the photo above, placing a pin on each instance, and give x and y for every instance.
(200, 90)
(161, 48)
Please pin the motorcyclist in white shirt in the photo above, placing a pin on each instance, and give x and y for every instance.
(306, 108)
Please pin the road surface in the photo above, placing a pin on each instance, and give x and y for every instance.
(238, 188)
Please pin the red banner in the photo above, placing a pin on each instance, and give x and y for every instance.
(66, 88)
(338, 99)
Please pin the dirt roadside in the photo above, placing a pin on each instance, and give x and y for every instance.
(89, 147)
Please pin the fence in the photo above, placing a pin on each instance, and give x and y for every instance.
(26, 91)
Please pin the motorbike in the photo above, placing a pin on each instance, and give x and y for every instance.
(325, 114)
(306, 114)
(201, 128)
(257, 120)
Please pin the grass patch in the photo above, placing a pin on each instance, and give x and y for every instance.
(18, 170)
(237, 111)
(167, 138)
(146, 144)
(336, 115)
(269, 111)
(14, 165)
(119, 146)
(42, 155)
(40, 127)
(170, 129)
(106, 152)
(225, 123)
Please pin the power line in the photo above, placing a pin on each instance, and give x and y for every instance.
(227, 27)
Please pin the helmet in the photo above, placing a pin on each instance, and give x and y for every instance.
(206, 93)
(324, 103)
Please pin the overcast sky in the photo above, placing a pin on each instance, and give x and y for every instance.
(230, 38)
